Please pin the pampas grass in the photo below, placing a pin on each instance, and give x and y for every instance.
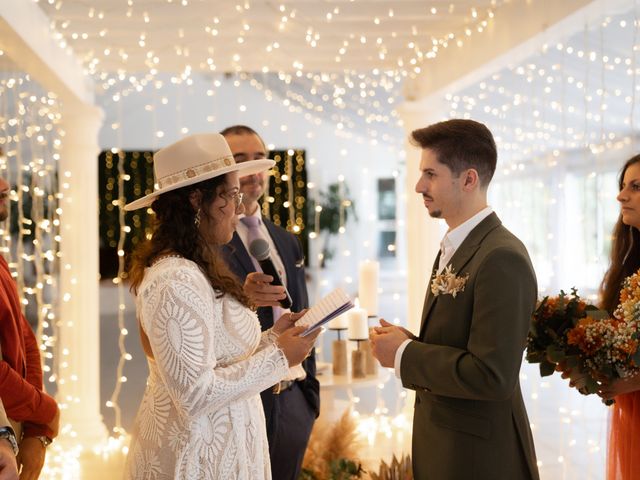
(397, 470)
(330, 444)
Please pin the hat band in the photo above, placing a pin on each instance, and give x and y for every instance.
(196, 171)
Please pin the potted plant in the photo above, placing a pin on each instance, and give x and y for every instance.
(333, 207)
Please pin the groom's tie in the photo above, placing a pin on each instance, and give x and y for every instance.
(446, 252)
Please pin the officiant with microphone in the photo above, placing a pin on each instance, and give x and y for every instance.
(259, 247)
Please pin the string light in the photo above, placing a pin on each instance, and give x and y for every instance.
(540, 139)
(118, 429)
(30, 141)
(390, 49)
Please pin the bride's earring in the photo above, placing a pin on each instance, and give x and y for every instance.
(196, 219)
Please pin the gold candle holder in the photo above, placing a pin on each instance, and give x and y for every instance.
(339, 355)
(358, 362)
(371, 364)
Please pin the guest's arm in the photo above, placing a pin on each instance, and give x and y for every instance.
(8, 466)
(23, 401)
(620, 386)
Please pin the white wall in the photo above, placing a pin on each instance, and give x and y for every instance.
(213, 103)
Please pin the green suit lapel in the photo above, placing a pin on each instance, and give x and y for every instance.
(460, 258)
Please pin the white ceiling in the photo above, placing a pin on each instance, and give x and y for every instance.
(253, 35)
(343, 60)
(578, 93)
(577, 97)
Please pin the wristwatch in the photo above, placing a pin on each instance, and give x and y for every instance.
(7, 434)
(46, 441)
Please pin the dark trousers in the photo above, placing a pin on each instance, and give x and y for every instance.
(292, 422)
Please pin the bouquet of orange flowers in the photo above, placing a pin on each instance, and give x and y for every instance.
(567, 329)
(609, 346)
(547, 341)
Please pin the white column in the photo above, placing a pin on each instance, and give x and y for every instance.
(79, 313)
(423, 234)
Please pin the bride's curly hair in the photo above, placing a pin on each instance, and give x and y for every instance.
(625, 254)
(175, 232)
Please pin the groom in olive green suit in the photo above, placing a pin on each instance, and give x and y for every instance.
(470, 421)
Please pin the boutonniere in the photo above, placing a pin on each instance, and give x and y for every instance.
(446, 282)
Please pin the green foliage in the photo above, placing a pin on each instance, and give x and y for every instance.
(345, 469)
(330, 202)
(307, 474)
(554, 316)
(342, 469)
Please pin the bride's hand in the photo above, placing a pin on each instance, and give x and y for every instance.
(577, 377)
(620, 386)
(295, 347)
(286, 321)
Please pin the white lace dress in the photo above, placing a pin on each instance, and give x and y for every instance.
(201, 416)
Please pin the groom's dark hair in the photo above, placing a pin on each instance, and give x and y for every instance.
(460, 144)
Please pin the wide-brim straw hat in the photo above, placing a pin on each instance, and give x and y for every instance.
(191, 160)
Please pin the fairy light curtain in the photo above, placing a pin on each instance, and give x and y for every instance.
(135, 169)
(285, 201)
(30, 139)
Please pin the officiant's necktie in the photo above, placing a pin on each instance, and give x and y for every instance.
(253, 228)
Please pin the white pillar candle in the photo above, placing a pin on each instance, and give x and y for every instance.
(358, 327)
(341, 322)
(368, 286)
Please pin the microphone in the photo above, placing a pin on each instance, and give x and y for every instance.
(259, 249)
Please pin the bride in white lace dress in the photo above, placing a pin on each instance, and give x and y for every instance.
(201, 416)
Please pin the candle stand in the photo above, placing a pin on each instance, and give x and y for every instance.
(358, 361)
(339, 354)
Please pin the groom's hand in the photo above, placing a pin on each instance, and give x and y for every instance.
(385, 341)
(410, 335)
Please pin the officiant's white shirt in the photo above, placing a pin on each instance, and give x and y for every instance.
(448, 246)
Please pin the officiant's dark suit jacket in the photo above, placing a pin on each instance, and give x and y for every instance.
(470, 421)
(289, 415)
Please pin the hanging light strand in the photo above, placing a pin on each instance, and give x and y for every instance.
(123, 229)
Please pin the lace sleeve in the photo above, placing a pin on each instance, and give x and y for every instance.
(267, 338)
(177, 312)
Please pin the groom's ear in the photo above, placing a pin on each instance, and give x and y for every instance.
(471, 179)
